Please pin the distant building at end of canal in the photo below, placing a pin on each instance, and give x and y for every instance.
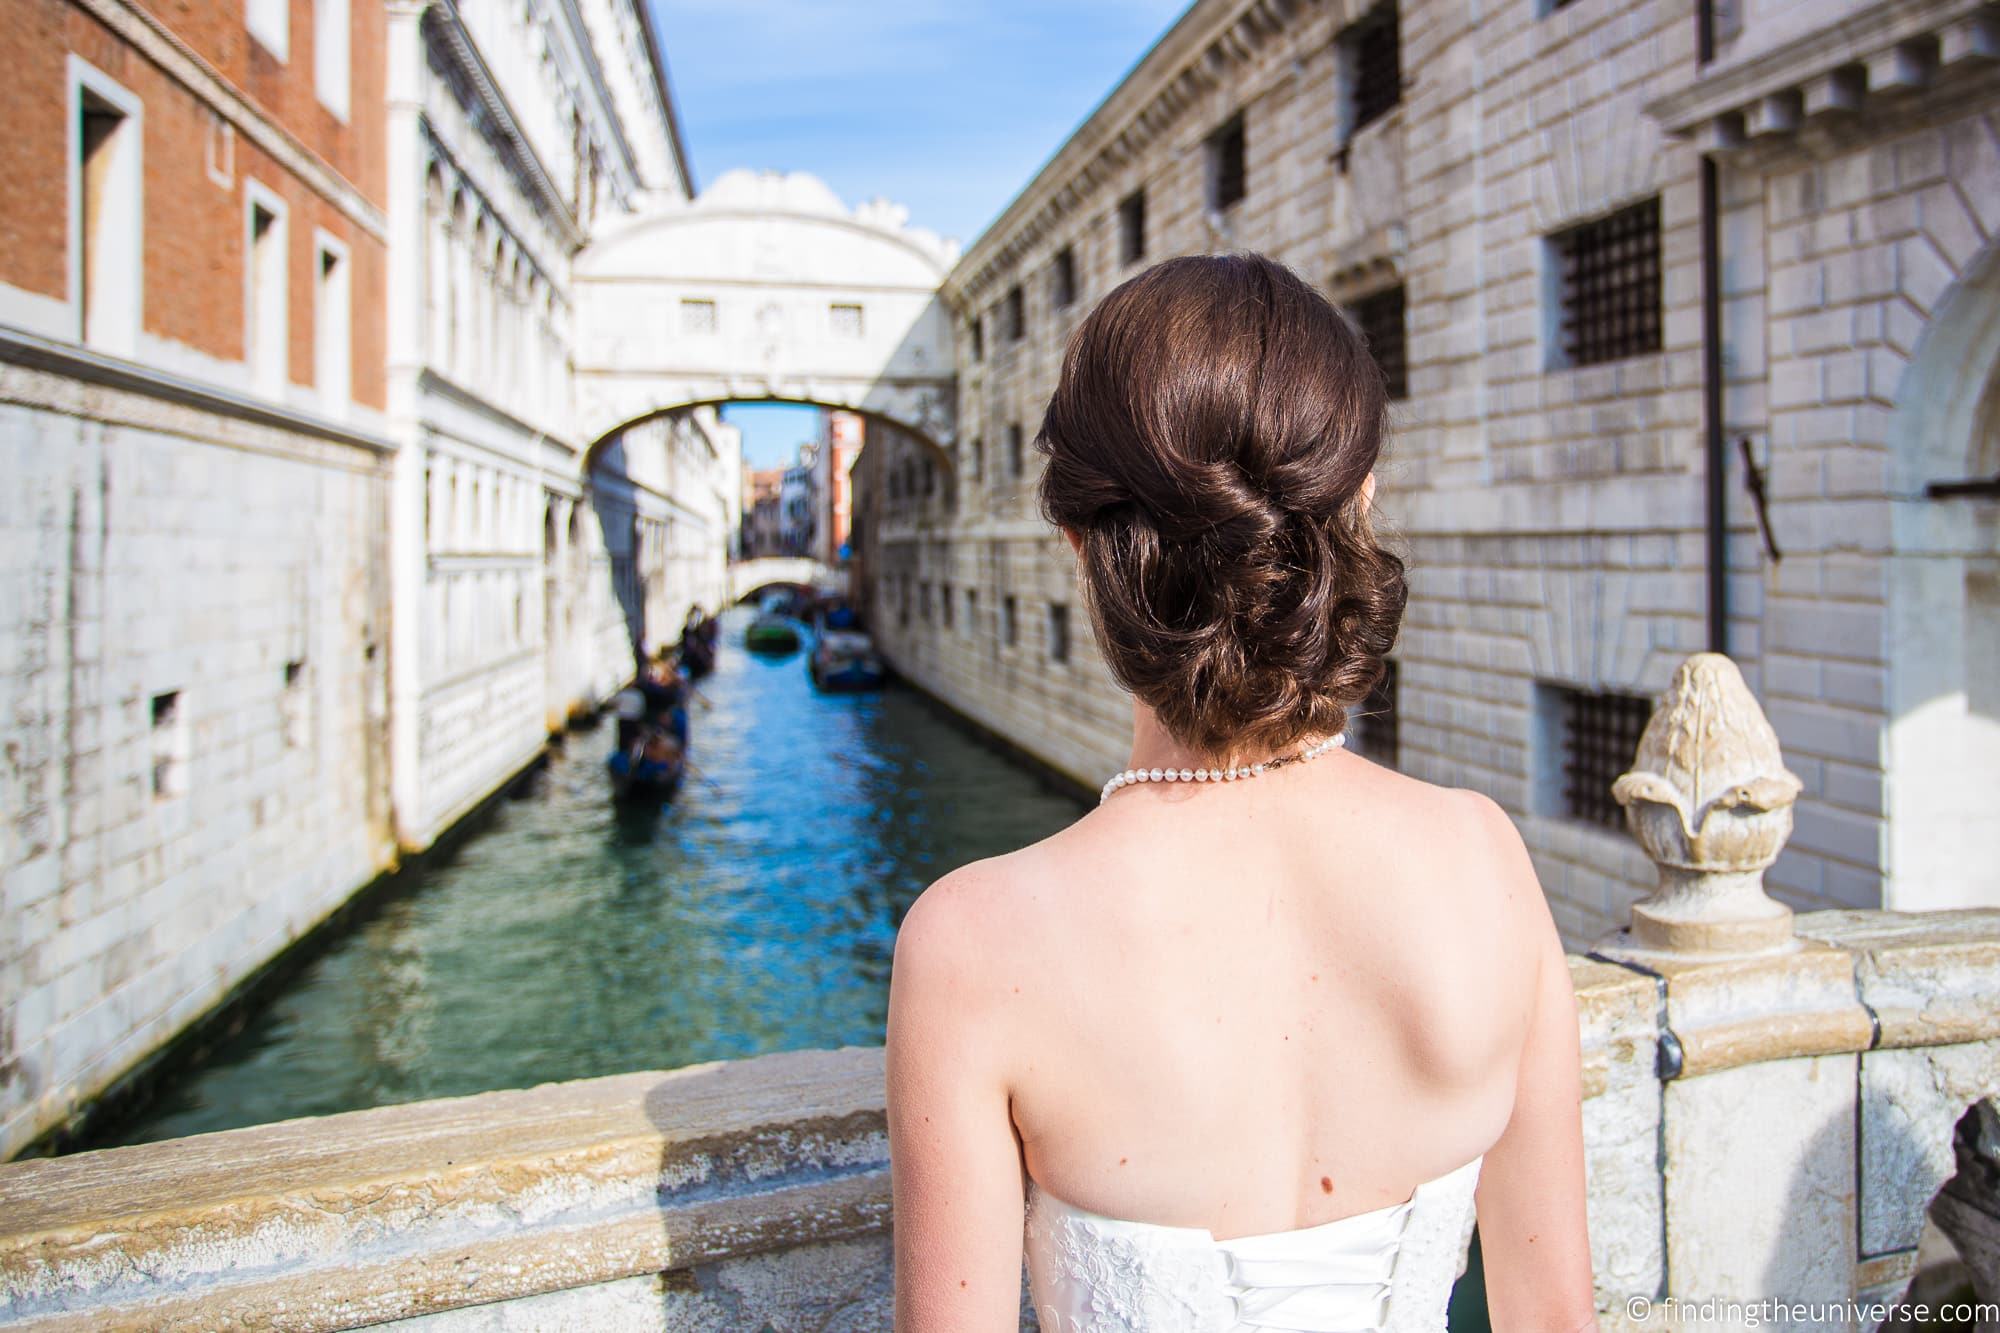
(1691, 318)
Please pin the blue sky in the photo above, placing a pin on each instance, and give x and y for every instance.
(946, 106)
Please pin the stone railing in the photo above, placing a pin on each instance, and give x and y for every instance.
(1768, 1112)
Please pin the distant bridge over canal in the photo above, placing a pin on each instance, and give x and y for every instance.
(750, 576)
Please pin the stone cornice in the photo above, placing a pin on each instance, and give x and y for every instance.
(607, 104)
(1829, 70)
(1191, 59)
(458, 44)
(79, 366)
(156, 42)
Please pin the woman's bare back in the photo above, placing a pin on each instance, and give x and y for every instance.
(1266, 1005)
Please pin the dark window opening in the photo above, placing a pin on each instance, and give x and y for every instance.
(946, 607)
(1058, 633)
(1380, 318)
(1595, 738)
(1226, 168)
(1062, 278)
(979, 459)
(1609, 275)
(1015, 461)
(1132, 228)
(1374, 64)
(975, 331)
(1010, 629)
(1017, 315)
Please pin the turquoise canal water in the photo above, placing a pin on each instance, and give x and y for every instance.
(564, 939)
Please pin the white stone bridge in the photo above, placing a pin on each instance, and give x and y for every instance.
(747, 577)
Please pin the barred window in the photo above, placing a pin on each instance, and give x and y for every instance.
(1017, 315)
(1132, 228)
(1058, 632)
(1062, 278)
(1589, 739)
(1373, 60)
(946, 607)
(1609, 275)
(1371, 727)
(975, 332)
(1380, 318)
(1015, 461)
(1226, 169)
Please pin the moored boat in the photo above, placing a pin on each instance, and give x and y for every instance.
(771, 634)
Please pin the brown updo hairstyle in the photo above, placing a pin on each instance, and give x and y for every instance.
(1207, 443)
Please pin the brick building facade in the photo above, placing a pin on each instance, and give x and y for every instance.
(1689, 316)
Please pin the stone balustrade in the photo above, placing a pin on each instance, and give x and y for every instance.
(1768, 1113)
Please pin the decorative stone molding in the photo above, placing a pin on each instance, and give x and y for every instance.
(1710, 799)
(1834, 70)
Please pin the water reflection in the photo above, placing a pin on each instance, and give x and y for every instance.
(569, 938)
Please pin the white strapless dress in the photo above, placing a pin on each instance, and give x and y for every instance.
(1386, 1271)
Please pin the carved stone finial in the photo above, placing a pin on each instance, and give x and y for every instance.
(1710, 799)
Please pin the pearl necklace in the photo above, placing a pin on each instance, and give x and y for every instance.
(1233, 773)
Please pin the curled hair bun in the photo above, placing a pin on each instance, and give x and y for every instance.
(1208, 443)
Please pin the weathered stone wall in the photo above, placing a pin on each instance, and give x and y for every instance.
(1554, 516)
(1802, 1144)
(195, 693)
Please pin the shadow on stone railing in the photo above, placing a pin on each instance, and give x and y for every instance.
(1770, 1106)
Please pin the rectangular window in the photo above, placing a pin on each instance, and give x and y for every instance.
(1132, 228)
(1585, 740)
(169, 736)
(270, 22)
(979, 459)
(1380, 319)
(105, 211)
(975, 332)
(1226, 166)
(265, 344)
(331, 24)
(924, 601)
(972, 610)
(1016, 463)
(1017, 315)
(903, 600)
(1607, 275)
(1371, 60)
(946, 607)
(1010, 628)
(1058, 632)
(844, 320)
(1371, 727)
(697, 317)
(296, 707)
(1062, 278)
(332, 328)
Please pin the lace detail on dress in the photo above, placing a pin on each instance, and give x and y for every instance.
(1087, 1278)
(1386, 1271)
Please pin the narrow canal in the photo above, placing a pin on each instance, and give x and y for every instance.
(565, 939)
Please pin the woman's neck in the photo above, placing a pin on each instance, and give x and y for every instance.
(1154, 747)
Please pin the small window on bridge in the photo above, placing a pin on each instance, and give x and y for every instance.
(697, 318)
(845, 320)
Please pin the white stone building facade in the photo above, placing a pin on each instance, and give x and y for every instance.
(1520, 203)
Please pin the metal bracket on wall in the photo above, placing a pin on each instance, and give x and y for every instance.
(1753, 481)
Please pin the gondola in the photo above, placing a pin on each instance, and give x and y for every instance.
(650, 758)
